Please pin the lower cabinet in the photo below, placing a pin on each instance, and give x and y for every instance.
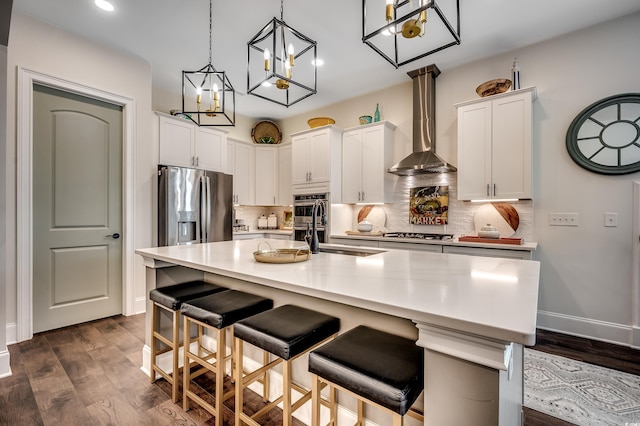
(433, 248)
(489, 252)
(353, 242)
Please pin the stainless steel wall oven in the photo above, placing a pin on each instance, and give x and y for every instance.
(302, 215)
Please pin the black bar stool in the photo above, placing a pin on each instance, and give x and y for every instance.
(170, 299)
(375, 367)
(287, 332)
(217, 312)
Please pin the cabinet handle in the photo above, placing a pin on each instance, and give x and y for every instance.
(488, 191)
(197, 161)
(274, 200)
(494, 189)
(362, 195)
(193, 160)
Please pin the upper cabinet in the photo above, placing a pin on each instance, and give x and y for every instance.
(317, 160)
(241, 164)
(266, 175)
(494, 146)
(368, 152)
(184, 144)
(285, 163)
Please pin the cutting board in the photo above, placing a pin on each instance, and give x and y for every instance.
(501, 215)
(375, 215)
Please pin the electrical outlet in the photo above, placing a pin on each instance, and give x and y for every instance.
(564, 219)
(611, 219)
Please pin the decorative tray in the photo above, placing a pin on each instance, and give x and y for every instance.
(284, 255)
(472, 239)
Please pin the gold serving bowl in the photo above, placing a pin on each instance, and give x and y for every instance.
(320, 121)
(493, 87)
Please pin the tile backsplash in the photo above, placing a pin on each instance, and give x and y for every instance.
(460, 212)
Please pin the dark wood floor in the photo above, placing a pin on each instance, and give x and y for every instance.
(90, 374)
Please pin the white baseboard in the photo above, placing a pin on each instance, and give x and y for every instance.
(591, 329)
(5, 365)
(11, 333)
(635, 340)
(140, 305)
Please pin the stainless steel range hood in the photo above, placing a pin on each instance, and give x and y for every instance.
(423, 159)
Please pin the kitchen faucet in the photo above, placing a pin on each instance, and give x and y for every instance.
(311, 236)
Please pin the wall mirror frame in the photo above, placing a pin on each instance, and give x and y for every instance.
(605, 137)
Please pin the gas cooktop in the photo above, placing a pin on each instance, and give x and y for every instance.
(419, 235)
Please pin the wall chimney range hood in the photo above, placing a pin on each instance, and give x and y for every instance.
(423, 159)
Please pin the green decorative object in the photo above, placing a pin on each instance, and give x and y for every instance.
(376, 115)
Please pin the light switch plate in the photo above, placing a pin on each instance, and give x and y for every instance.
(611, 219)
(564, 219)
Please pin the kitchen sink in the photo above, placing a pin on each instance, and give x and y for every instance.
(349, 251)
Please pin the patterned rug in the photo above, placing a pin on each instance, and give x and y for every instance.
(580, 393)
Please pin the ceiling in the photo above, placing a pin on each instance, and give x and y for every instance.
(173, 35)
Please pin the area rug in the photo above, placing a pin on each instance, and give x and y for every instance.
(580, 393)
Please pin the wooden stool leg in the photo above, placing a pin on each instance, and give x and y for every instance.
(265, 378)
(186, 371)
(239, 385)
(333, 398)
(287, 415)
(398, 420)
(175, 374)
(221, 349)
(315, 400)
(360, 413)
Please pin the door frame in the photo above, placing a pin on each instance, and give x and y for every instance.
(24, 186)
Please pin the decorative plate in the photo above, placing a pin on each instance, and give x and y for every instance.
(266, 132)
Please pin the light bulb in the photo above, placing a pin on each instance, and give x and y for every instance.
(267, 57)
(215, 96)
(291, 53)
(287, 68)
(198, 95)
(389, 10)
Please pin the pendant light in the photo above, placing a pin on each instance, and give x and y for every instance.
(403, 31)
(208, 98)
(281, 63)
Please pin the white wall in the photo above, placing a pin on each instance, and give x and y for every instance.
(4, 355)
(586, 271)
(45, 49)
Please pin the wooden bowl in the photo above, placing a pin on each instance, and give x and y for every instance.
(320, 121)
(493, 87)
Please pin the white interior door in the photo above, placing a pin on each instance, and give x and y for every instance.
(77, 209)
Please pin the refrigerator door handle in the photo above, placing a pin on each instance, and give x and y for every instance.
(208, 212)
(203, 211)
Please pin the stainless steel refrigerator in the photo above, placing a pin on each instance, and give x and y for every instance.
(194, 206)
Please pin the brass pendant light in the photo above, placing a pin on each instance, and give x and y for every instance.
(281, 63)
(402, 32)
(208, 98)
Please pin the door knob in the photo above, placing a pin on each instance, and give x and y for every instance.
(115, 236)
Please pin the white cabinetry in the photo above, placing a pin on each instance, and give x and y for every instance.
(241, 164)
(433, 248)
(316, 161)
(266, 175)
(285, 189)
(494, 146)
(368, 152)
(489, 252)
(184, 144)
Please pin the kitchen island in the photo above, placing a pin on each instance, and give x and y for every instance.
(471, 314)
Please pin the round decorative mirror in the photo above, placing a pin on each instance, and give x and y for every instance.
(605, 137)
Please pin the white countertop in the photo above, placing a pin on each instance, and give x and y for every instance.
(495, 298)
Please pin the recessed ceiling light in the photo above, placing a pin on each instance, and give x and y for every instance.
(317, 62)
(104, 5)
